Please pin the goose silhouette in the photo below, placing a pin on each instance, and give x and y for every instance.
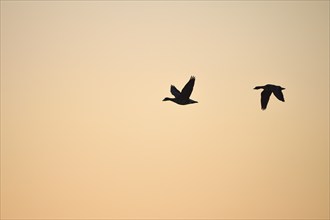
(267, 91)
(182, 98)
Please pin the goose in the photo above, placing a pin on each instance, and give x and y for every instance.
(267, 91)
(182, 98)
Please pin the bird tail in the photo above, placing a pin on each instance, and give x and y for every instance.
(258, 87)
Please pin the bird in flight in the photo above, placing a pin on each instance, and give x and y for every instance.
(182, 98)
(267, 91)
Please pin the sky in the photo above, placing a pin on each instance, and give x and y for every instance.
(85, 134)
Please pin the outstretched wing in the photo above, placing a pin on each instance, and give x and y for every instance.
(175, 91)
(265, 98)
(278, 93)
(188, 88)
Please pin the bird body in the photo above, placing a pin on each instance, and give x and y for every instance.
(267, 91)
(182, 98)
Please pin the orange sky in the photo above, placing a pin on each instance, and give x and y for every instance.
(85, 134)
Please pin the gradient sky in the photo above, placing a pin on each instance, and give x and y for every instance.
(85, 134)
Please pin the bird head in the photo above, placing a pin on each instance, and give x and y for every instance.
(258, 87)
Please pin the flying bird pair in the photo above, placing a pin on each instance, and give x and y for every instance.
(183, 97)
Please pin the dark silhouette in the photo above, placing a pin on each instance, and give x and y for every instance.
(268, 90)
(182, 98)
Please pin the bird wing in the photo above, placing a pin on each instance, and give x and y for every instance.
(279, 95)
(265, 98)
(188, 88)
(175, 91)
